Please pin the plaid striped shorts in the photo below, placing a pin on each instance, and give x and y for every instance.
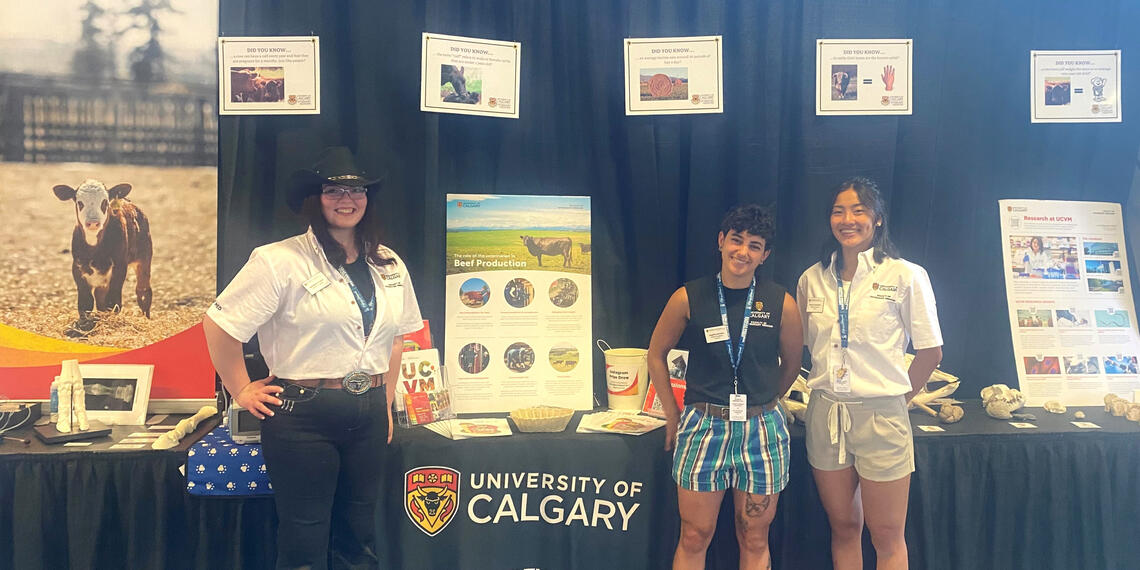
(713, 454)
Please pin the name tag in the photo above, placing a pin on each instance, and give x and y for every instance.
(716, 334)
(737, 407)
(815, 305)
(315, 283)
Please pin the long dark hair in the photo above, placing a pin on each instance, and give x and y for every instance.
(367, 232)
(870, 197)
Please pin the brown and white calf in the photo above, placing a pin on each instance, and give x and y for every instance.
(110, 235)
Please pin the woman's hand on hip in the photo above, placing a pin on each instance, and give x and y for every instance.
(255, 395)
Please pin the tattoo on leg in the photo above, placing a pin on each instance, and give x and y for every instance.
(754, 509)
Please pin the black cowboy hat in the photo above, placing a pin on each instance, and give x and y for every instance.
(335, 165)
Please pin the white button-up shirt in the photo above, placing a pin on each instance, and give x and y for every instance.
(315, 331)
(892, 304)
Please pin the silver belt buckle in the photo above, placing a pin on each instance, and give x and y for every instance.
(356, 382)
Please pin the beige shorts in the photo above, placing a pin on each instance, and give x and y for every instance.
(873, 434)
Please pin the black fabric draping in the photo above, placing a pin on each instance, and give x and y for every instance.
(108, 509)
(989, 495)
(985, 495)
(648, 542)
(660, 184)
(91, 507)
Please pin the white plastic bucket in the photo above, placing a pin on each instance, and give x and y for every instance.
(627, 376)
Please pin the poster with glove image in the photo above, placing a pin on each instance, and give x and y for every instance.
(518, 302)
(864, 77)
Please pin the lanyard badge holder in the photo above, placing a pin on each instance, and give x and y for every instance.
(841, 374)
(358, 382)
(737, 402)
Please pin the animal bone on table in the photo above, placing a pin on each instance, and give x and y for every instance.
(925, 396)
(72, 398)
(1001, 401)
(949, 413)
(172, 437)
(797, 410)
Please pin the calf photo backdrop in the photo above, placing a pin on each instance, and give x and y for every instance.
(109, 151)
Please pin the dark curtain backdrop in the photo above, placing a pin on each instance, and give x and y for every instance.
(659, 185)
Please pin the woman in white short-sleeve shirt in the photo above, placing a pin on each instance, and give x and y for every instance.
(861, 307)
(1036, 258)
(330, 308)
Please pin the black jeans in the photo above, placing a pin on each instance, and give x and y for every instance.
(324, 450)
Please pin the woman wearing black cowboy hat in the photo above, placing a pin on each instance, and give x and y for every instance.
(330, 308)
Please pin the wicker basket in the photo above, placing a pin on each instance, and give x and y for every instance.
(542, 418)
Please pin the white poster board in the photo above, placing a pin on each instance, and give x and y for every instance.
(470, 76)
(671, 76)
(1075, 86)
(269, 75)
(1071, 313)
(864, 77)
(519, 326)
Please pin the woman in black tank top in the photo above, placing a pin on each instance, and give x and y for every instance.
(764, 369)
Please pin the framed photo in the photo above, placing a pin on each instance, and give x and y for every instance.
(672, 76)
(864, 77)
(1075, 86)
(470, 76)
(117, 394)
(274, 75)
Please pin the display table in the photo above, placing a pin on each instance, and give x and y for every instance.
(92, 506)
(986, 495)
(539, 500)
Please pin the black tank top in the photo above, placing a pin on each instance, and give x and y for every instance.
(709, 376)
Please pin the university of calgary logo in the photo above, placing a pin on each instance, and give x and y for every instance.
(759, 305)
(431, 497)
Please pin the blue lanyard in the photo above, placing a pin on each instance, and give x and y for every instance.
(367, 308)
(844, 307)
(734, 359)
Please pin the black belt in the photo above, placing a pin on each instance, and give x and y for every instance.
(719, 411)
(331, 383)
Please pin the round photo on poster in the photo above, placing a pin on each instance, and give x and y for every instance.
(519, 357)
(519, 292)
(563, 357)
(474, 358)
(474, 293)
(563, 292)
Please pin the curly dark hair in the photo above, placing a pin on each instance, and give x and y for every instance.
(367, 231)
(752, 218)
(870, 197)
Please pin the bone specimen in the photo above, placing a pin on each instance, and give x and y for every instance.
(926, 396)
(1001, 401)
(172, 437)
(949, 413)
(797, 409)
